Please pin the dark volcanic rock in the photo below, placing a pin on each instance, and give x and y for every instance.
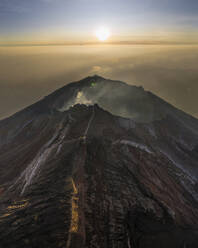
(78, 176)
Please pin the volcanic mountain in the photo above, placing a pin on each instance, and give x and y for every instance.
(99, 164)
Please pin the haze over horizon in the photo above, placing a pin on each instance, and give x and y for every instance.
(74, 22)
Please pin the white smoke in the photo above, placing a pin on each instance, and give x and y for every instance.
(81, 99)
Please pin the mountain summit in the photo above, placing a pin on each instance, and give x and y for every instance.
(99, 163)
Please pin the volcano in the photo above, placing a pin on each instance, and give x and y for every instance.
(99, 164)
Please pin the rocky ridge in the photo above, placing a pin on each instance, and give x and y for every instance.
(74, 173)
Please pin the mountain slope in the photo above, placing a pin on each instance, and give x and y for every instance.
(73, 175)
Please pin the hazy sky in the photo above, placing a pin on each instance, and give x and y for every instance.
(76, 20)
(29, 73)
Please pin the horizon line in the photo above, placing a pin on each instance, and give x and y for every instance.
(20, 44)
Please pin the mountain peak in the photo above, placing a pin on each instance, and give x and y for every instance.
(75, 175)
(95, 77)
(117, 97)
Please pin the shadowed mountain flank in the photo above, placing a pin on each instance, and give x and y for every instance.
(99, 163)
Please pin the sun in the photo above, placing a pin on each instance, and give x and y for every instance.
(102, 33)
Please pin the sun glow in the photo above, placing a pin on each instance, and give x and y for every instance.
(102, 33)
